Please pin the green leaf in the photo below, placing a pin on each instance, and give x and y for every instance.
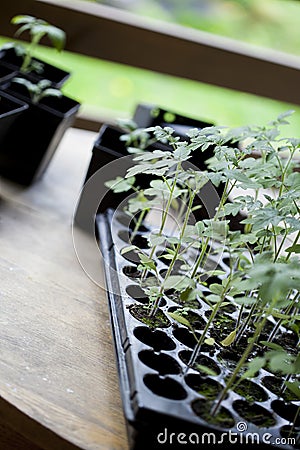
(51, 92)
(213, 298)
(282, 116)
(294, 387)
(182, 320)
(188, 295)
(244, 300)
(254, 366)
(120, 184)
(210, 341)
(229, 339)
(271, 345)
(281, 362)
(293, 249)
(173, 240)
(216, 288)
(147, 262)
(232, 208)
(20, 19)
(206, 370)
(128, 249)
(178, 282)
(156, 239)
(278, 315)
(182, 153)
(57, 37)
(166, 256)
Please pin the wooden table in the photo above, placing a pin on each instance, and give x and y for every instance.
(58, 381)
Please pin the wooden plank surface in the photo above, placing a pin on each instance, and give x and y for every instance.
(58, 382)
(108, 33)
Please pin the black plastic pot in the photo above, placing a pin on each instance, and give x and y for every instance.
(150, 115)
(6, 73)
(108, 147)
(57, 76)
(10, 109)
(160, 394)
(35, 135)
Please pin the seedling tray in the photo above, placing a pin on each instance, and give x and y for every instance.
(160, 394)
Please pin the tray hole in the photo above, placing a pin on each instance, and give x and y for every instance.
(288, 431)
(163, 272)
(157, 339)
(202, 409)
(138, 240)
(136, 292)
(185, 337)
(223, 324)
(202, 360)
(165, 387)
(192, 303)
(160, 254)
(205, 386)
(288, 340)
(129, 222)
(131, 272)
(287, 411)
(275, 384)
(123, 219)
(211, 264)
(254, 413)
(208, 280)
(132, 256)
(141, 313)
(163, 364)
(195, 320)
(230, 309)
(251, 391)
(226, 261)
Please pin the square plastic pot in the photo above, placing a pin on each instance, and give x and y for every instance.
(33, 138)
(57, 76)
(10, 110)
(6, 73)
(108, 148)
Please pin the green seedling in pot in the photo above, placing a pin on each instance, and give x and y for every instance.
(39, 90)
(37, 28)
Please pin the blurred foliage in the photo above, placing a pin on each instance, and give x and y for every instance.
(270, 23)
(111, 89)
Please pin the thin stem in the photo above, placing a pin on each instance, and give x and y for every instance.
(30, 50)
(295, 242)
(139, 223)
(247, 321)
(244, 357)
(277, 253)
(208, 323)
(294, 424)
(174, 259)
(165, 215)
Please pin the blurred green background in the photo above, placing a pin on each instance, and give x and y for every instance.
(113, 90)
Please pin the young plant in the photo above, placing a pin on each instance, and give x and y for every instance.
(262, 279)
(37, 28)
(39, 90)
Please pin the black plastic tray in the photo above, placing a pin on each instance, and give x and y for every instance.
(158, 391)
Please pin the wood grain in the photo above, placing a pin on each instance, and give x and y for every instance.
(58, 382)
